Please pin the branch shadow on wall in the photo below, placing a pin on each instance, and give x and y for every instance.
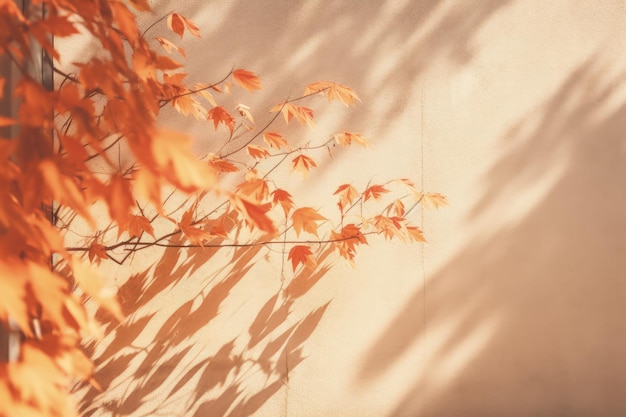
(529, 320)
(166, 372)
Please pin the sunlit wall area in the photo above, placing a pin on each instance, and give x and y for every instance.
(514, 110)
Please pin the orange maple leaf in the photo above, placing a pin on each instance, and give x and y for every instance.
(169, 46)
(435, 200)
(389, 226)
(175, 162)
(347, 240)
(244, 111)
(415, 233)
(97, 252)
(304, 115)
(275, 140)
(64, 188)
(303, 164)
(398, 208)
(201, 90)
(302, 255)
(346, 138)
(223, 165)
(177, 24)
(283, 198)
(57, 26)
(347, 194)
(165, 63)
(304, 219)
(375, 191)
(246, 79)
(94, 285)
(254, 213)
(126, 22)
(255, 188)
(195, 235)
(257, 152)
(188, 105)
(333, 91)
(120, 201)
(139, 224)
(220, 115)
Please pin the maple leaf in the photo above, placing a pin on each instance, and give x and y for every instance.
(375, 191)
(95, 286)
(435, 200)
(244, 111)
(346, 138)
(165, 63)
(64, 188)
(139, 224)
(283, 198)
(415, 233)
(347, 194)
(257, 152)
(274, 140)
(398, 208)
(13, 292)
(195, 235)
(97, 252)
(304, 115)
(302, 255)
(188, 105)
(223, 165)
(169, 46)
(176, 163)
(201, 90)
(389, 226)
(148, 186)
(303, 164)
(304, 219)
(57, 26)
(254, 213)
(256, 188)
(347, 240)
(39, 380)
(247, 79)
(220, 115)
(177, 24)
(333, 91)
(75, 149)
(126, 22)
(120, 201)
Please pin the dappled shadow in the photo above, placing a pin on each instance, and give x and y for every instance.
(174, 367)
(529, 320)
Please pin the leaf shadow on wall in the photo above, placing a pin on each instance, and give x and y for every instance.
(528, 320)
(169, 371)
(379, 48)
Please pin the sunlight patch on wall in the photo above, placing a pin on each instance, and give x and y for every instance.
(451, 364)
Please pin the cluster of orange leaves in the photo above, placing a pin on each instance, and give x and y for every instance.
(48, 174)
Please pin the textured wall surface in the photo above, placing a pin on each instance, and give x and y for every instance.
(514, 110)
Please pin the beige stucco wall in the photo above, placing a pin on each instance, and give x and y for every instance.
(512, 109)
